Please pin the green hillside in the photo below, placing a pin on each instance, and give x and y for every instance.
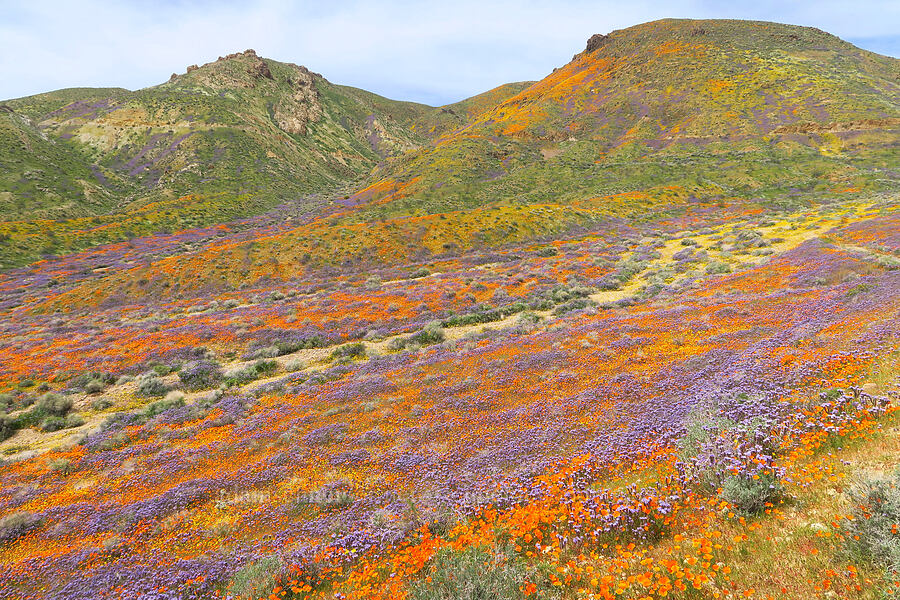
(241, 124)
(44, 177)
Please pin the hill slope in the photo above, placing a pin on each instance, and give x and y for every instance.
(241, 124)
(673, 102)
(710, 109)
(42, 177)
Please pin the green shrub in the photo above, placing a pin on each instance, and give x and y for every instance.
(61, 465)
(717, 268)
(260, 368)
(572, 305)
(750, 495)
(349, 351)
(17, 524)
(8, 427)
(93, 382)
(53, 424)
(529, 318)
(101, 404)
(256, 579)
(53, 404)
(484, 316)
(294, 366)
(856, 290)
(50, 409)
(200, 374)
(161, 406)
(264, 368)
(734, 459)
(161, 369)
(432, 333)
(571, 291)
(150, 385)
(94, 386)
(239, 376)
(477, 573)
(316, 341)
(325, 499)
(74, 420)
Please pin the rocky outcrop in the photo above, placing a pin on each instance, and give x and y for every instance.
(260, 68)
(249, 52)
(595, 42)
(293, 113)
(217, 74)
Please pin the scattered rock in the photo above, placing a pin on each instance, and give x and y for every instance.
(192, 68)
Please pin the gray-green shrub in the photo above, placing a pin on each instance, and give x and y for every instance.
(477, 573)
(870, 537)
(54, 404)
(149, 384)
(256, 579)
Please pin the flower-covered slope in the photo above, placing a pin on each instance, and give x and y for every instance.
(554, 438)
(752, 106)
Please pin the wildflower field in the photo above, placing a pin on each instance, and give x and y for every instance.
(531, 386)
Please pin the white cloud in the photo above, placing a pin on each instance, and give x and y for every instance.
(428, 51)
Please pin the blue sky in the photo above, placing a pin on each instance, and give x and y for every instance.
(433, 52)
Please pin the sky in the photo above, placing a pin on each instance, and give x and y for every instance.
(435, 52)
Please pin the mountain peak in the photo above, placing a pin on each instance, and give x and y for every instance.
(239, 69)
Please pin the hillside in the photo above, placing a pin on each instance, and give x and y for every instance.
(628, 332)
(242, 126)
(41, 177)
(775, 113)
(757, 109)
(459, 114)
